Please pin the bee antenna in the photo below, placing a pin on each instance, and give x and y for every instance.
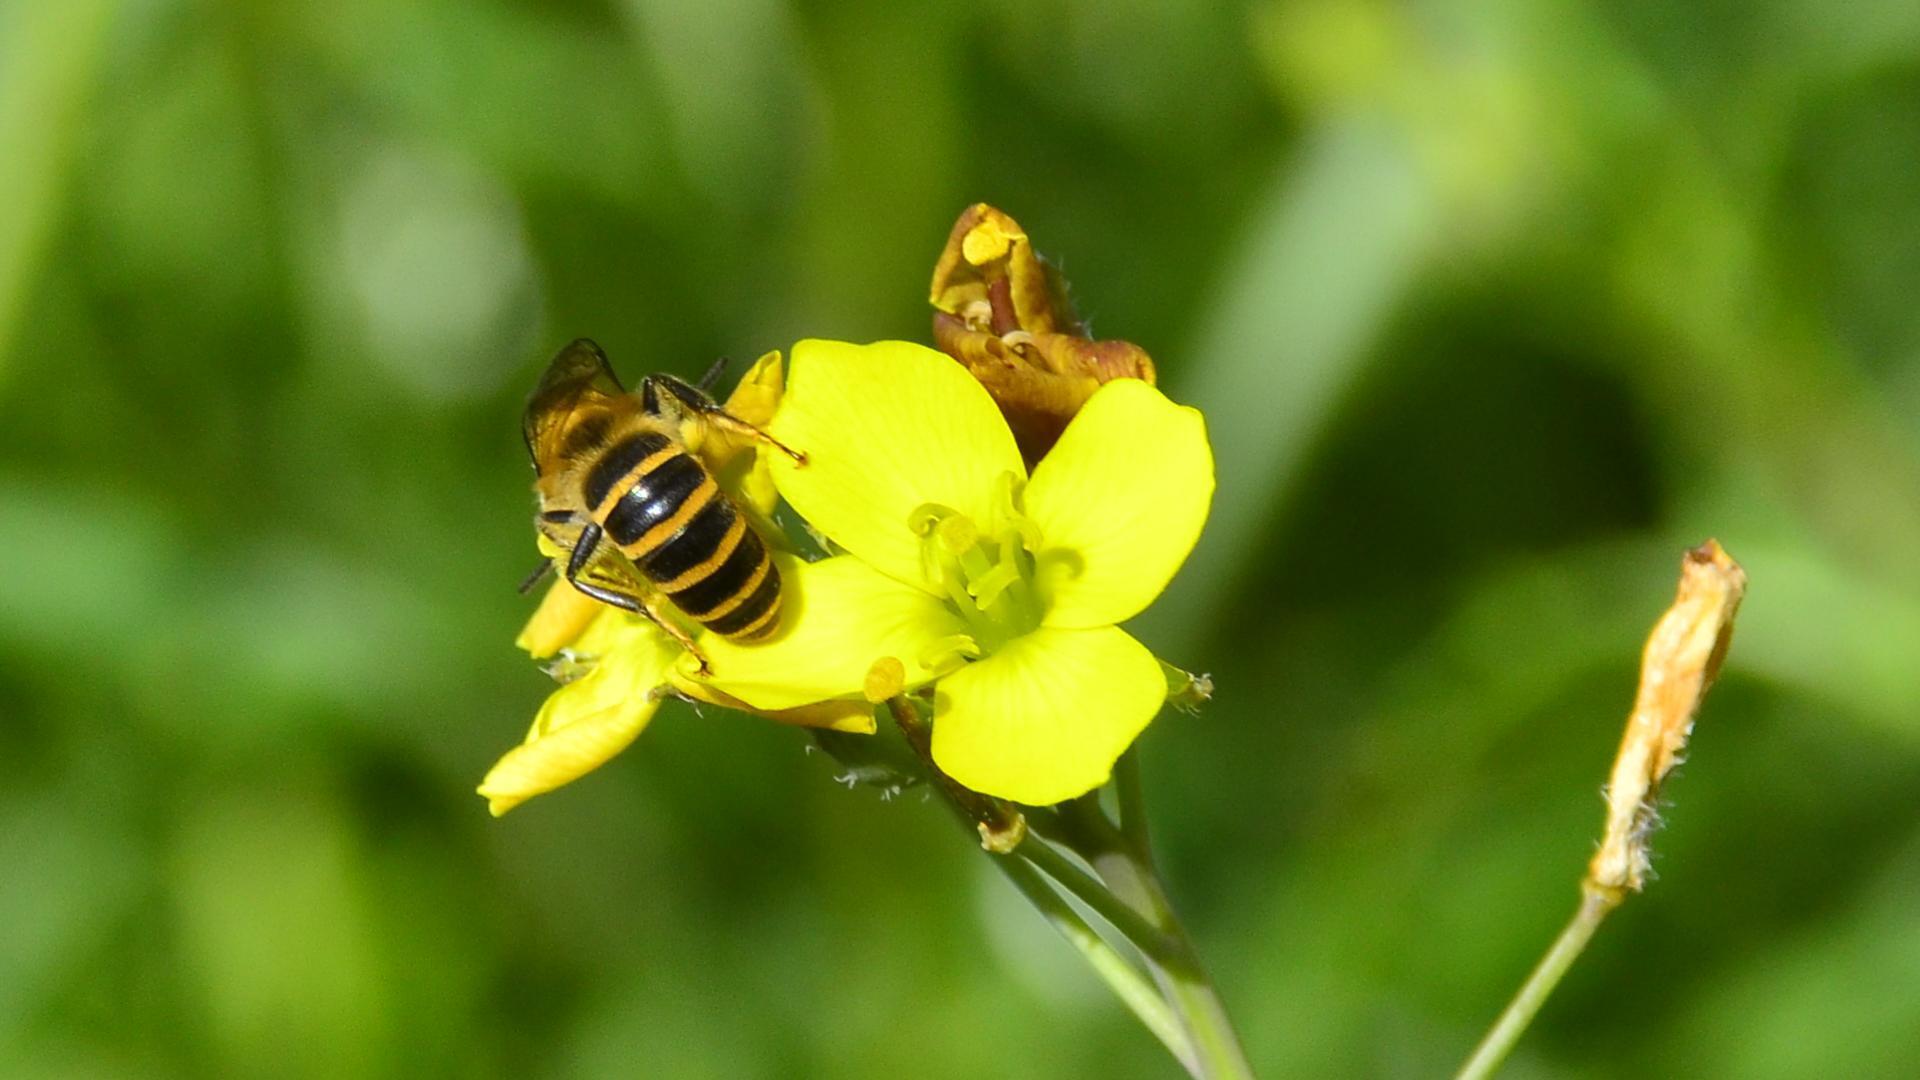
(713, 374)
(541, 571)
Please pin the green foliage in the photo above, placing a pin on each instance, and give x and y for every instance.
(1494, 308)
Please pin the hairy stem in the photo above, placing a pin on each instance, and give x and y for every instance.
(1000, 823)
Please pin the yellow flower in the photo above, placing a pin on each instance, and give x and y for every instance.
(1003, 588)
(616, 668)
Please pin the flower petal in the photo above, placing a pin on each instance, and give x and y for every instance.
(1120, 501)
(739, 462)
(888, 428)
(757, 394)
(837, 715)
(584, 723)
(1044, 719)
(563, 615)
(837, 617)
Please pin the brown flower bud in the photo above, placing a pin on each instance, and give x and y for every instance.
(1003, 313)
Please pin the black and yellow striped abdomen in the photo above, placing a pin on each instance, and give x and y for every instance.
(658, 504)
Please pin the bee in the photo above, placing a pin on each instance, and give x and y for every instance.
(637, 511)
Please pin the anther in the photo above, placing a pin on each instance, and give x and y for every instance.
(958, 533)
(926, 517)
(887, 677)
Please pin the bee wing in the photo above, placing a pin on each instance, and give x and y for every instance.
(617, 574)
(607, 568)
(579, 373)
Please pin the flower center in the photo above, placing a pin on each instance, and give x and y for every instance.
(985, 574)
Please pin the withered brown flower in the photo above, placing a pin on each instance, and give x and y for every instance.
(1002, 311)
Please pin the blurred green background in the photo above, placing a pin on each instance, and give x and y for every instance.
(1494, 308)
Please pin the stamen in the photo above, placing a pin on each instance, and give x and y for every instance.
(1007, 492)
(985, 577)
(1023, 527)
(988, 586)
(951, 576)
(944, 656)
(974, 563)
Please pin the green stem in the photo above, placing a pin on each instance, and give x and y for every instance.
(1506, 1031)
(1193, 996)
(1084, 887)
(1186, 1015)
(1133, 804)
(1121, 976)
(1176, 963)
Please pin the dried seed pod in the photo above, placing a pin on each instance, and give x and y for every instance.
(1682, 657)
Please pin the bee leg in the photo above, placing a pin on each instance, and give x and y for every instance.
(673, 631)
(577, 564)
(545, 568)
(664, 395)
(712, 376)
(584, 546)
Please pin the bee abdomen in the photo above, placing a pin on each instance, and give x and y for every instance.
(697, 548)
(735, 589)
(658, 505)
(635, 456)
